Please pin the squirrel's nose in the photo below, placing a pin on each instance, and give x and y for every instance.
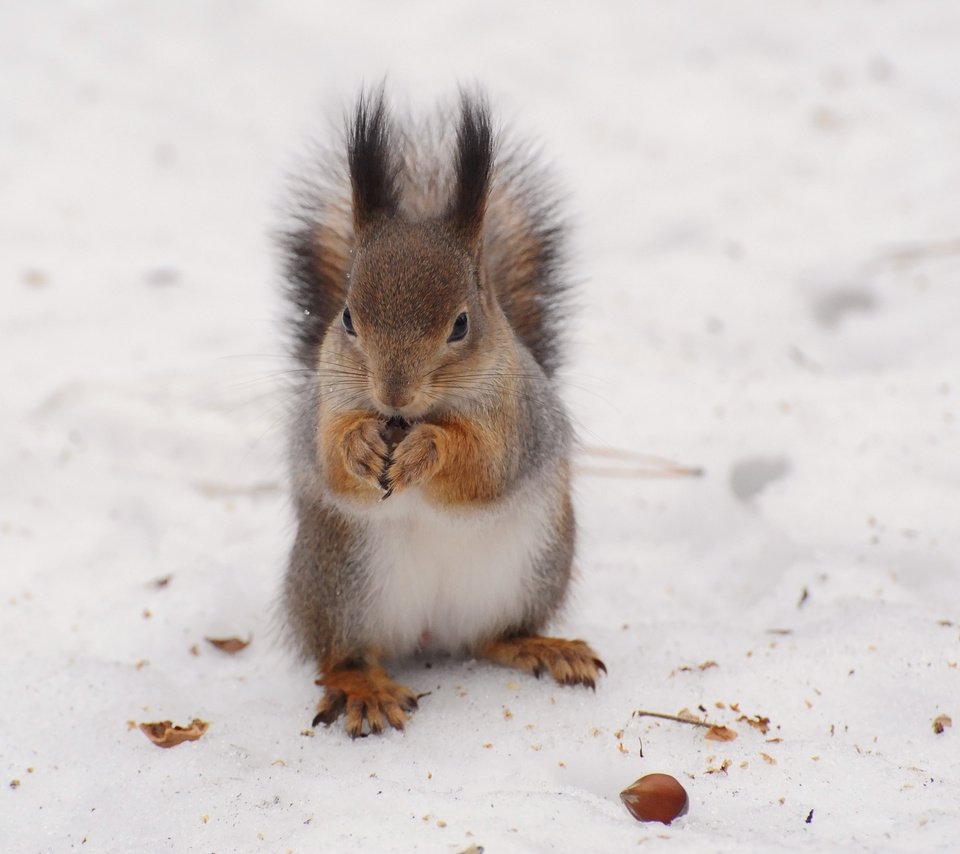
(395, 393)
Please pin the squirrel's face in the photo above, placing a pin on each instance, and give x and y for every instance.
(415, 331)
(420, 331)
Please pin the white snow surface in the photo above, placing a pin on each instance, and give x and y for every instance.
(768, 246)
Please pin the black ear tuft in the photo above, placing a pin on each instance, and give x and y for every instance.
(373, 170)
(472, 169)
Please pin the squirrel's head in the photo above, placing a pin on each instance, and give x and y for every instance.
(420, 326)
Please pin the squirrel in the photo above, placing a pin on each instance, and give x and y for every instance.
(430, 450)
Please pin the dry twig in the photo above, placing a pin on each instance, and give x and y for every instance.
(650, 466)
(664, 716)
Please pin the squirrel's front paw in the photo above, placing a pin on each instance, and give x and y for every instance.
(416, 459)
(365, 452)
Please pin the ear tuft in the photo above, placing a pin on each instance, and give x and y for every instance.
(472, 169)
(373, 170)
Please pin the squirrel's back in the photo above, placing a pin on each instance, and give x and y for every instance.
(523, 235)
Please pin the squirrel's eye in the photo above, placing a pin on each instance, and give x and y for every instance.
(348, 322)
(459, 328)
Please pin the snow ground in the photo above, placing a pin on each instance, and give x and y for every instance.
(769, 237)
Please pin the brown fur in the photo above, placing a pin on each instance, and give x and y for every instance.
(332, 246)
(520, 257)
(354, 454)
(323, 553)
(468, 462)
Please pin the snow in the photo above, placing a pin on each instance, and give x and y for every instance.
(769, 250)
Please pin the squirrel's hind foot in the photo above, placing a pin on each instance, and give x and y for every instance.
(570, 662)
(366, 695)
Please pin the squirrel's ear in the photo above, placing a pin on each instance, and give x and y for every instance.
(373, 170)
(472, 170)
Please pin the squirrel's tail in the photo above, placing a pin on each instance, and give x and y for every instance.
(525, 249)
(338, 189)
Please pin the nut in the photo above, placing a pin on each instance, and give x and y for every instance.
(655, 797)
(394, 431)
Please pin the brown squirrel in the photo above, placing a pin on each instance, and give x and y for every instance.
(430, 449)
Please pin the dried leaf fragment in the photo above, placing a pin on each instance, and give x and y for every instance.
(721, 769)
(940, 723)
(768, 759)
(166, 734)
(720, 733)
(757, 722)
(230, 645)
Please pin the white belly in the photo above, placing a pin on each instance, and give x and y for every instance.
(445, 581)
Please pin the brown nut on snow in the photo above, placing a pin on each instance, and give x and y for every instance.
(655, 797)
(394, 432)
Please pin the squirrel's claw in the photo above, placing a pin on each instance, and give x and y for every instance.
(367, 697)
(376, 713)
(365, 453)
(331, 707)
(360, 710)
(415, 460)
(569, 662)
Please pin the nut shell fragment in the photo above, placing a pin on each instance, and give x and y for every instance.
(230, 645)
(940, 723)
(655, 797)
(165, 734)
